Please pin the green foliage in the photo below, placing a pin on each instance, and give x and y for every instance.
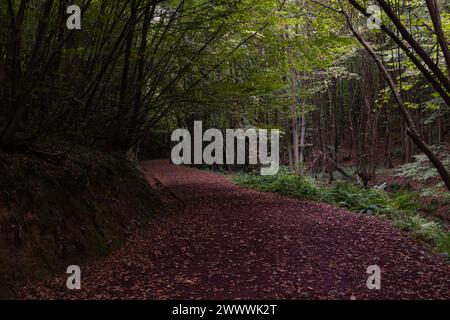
(419, 170)
(405, 201)
(358, 199)
(401, 208)
(283, 183)
(422, 170)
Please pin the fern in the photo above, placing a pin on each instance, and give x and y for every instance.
(422, 169)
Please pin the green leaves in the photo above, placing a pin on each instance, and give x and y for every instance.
(421, 169)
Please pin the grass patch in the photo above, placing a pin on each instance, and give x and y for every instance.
(401, 207)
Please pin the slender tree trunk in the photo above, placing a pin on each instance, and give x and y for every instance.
(302, 140)
(124, 85)
(294, 119)
(388, 143)
(434, 7)
(289, 143)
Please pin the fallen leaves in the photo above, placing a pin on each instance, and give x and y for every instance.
(227, 242)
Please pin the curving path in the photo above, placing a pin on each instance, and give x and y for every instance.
(227, 242)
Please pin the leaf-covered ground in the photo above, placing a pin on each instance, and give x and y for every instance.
(226, 242)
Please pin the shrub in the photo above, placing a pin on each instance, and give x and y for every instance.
(354, 198)
(283, 183)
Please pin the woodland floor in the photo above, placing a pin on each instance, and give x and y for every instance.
(220, 241)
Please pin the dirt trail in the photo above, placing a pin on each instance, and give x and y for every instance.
(227, 242)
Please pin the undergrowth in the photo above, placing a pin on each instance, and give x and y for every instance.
(401, 207)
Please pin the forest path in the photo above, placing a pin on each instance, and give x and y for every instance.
(227, 242)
